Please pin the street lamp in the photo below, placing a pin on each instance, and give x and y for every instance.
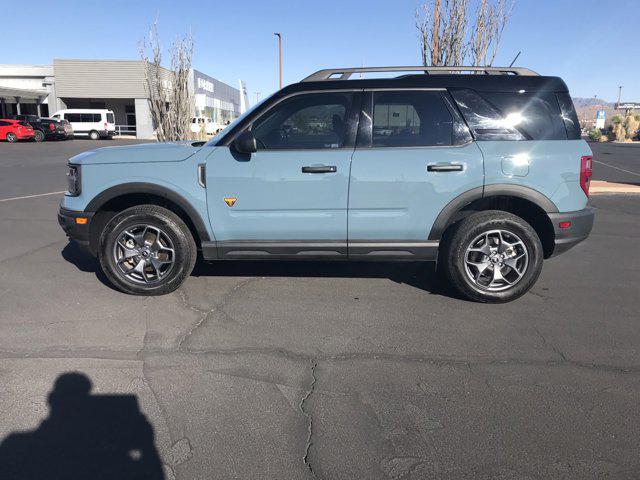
(279, 35)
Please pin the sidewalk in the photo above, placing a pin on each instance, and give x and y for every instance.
(599, 187)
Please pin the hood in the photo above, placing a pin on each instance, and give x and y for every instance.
(141, 153)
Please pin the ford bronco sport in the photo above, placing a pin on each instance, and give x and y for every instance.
(480, 169)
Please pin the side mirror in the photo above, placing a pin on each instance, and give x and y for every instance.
(245, 142)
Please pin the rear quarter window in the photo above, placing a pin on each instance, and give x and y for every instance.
(537, 115)
(569, 116)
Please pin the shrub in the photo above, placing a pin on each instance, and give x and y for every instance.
(595, 134)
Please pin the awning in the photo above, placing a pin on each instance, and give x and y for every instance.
(28, 96)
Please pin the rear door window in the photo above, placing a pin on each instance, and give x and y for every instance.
(110, 118)
(537, 115)
(411, 119)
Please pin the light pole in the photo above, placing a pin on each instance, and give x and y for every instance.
(279, 35)
(257, 96)
(619, 95)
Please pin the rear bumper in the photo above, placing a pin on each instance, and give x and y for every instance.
(581, 225)
(75, 231)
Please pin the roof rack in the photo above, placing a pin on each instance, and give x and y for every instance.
(345, 73)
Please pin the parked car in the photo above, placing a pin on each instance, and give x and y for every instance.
(47, 128)
(91, 123)
(484, 173)
(14, 130)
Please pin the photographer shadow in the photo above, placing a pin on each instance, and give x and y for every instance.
(85, 437)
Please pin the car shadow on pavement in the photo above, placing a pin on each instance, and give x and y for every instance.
(84, 262)
(421, 275)
(85, 437)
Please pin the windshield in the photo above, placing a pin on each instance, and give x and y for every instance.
(217, 137)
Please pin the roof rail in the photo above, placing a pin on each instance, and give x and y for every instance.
(345, 73)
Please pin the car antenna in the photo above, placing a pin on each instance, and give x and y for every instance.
(515, 58)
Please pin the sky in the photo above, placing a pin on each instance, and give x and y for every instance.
(586, 42)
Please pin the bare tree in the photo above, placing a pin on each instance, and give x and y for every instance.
(168, 90)
(490, 21)
(443, 31)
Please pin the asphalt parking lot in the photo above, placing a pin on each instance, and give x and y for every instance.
(316, 370)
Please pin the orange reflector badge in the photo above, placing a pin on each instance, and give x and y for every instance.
(81, 220)
(230, 201)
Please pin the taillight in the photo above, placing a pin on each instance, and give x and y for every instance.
(52, 127)
(105, 125)
(586, 171)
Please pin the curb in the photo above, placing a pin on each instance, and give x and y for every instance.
(603, 188)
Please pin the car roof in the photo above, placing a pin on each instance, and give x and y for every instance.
(496, 83)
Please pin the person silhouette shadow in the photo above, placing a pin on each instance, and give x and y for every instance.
(85, 437)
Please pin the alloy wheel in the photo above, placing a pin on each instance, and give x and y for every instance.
(496, 260)
(144, 254)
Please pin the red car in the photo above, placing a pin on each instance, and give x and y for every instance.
(14, 130)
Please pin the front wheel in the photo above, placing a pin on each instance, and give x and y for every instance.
(93, 135)
(146, 250)
(493, 256)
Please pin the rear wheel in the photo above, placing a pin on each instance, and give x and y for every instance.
(93, 135)
(39, 136)
(12, 137)
(146, 250)
(493, 256)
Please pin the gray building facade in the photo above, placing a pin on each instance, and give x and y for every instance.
(117, 85)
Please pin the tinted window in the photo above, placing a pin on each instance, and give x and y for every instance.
(90, 117)
(73, 117)
(311, 121)
(4, 124)
(110, 118)
(484, 120)
(536, 115)
(406, 118)
(569, 116)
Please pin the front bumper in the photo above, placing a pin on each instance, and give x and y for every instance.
(75, 231)
(581, 225)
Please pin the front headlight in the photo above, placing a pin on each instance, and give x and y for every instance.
(73, 180)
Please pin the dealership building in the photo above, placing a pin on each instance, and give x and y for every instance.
(117, 85)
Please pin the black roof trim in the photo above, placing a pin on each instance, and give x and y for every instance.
(485, 83)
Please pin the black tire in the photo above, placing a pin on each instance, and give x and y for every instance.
(458, 272)
(93, 135)
(178, 236)
(39, 136)
(12, 137)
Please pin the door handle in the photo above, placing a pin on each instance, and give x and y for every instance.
(445, 167)
(320, 169)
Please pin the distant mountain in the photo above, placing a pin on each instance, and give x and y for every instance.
(581, 102)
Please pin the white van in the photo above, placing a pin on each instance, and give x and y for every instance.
(210, 127)
(92, 123)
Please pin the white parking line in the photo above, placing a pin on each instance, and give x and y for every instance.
(31, 196)
(618, 168)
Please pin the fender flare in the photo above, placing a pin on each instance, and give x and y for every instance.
(140, 187)
(508, 190)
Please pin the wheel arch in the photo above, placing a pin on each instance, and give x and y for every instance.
(120, 197)
(527, 203)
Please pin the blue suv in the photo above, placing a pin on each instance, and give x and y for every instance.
(480, 169)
